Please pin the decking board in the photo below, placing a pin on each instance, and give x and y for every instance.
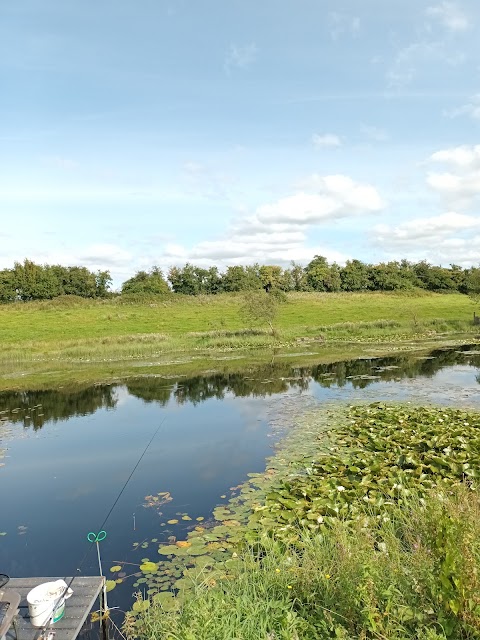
(85, 591)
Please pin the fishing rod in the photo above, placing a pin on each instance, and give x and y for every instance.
(102, 534)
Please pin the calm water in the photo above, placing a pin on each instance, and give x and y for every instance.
(69, 451)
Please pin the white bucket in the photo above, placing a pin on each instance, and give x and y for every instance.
(46, 603)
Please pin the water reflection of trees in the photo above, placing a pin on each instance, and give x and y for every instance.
(264, 381)
(36, 407)
(280, 377)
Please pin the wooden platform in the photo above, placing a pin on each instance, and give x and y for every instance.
(85, 591)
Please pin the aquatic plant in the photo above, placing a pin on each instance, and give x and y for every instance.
(369, 529)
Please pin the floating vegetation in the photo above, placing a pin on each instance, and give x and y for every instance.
(339, 464)
(377, 456)
(158, 500)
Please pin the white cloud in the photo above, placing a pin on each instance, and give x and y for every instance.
(471, 109)
(450, 15)
(230, 251)
(276, 232)
(434, 228)
(464, 156)
(442, 239)
(240, 56)
(103, 255)
(374, 133)
(322, 198)
(460, 184)
(97, 257)
(342, 23)
(326, 140)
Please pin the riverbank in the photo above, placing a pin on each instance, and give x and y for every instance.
(72, 341)
(335, 540)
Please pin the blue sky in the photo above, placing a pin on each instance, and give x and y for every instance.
(227, 132)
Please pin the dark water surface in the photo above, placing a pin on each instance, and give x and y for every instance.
(70, 451)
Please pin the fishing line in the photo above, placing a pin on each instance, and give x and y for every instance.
(123, 489)
(97, 537)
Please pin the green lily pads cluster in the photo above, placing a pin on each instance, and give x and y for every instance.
(375, 457)
(339, 462)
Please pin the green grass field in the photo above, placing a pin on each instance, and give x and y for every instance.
(85, 339)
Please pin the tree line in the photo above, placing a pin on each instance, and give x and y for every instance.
(318, 275)
(29, 281)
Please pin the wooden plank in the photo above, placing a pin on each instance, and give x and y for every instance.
(85, 591)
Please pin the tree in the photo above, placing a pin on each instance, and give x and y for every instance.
(35, 282)
(261, 307)
(103, 281)
(472, 283)
(389, 276)
(190, 280)
(79, 281)
(271, 277)
(234, 279)
(147, 282)
(239, 278)
(213, 281)
(320, 276)
(296, 276)
(354, 276)
(8, 291)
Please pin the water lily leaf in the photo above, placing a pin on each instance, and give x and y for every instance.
(196, 550)
(167, 549)
(116, 568)
(201, 562)
(141, 605)
(200, 519)
(186, 517)
(183, 583)
(148, 567)
(183, 544)
(110, 585)
(173, 521)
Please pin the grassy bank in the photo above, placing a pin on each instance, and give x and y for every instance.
(366, 524)
(78, 340)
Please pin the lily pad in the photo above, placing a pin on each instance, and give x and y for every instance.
(167, 549)
(141, 605)
(110, 585)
